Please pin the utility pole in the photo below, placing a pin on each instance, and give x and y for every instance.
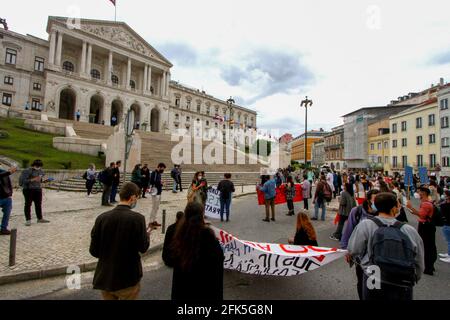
(306, 103)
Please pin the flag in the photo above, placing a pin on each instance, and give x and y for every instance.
(113, 2)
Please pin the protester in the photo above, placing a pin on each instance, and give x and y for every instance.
(117, 238)
(305, 234)
(31, 182)
(136, 177)
(396, 248)
(145, 181)
(226, 188)
(290, 195)
(322, 196)
(270, 190)
(115, 182)
(427, 229)
(156, 184)
(6, 193)
(198, 259)
(358, 188)
(346, 204)
(178, 179)
(197, 189)
(434, 194)
(106, 177)
(402, 217)
(330, 180)
(167, 254)
(91, 177)
(306, 187)
(445, 211)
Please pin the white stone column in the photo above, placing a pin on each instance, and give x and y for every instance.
(145, 87)
(59, 49)
(110, 68)
(89, 60)
(128, 74)
(149, 81)
(164, 82)
(83, 59)
(51, 58)
(169, 77)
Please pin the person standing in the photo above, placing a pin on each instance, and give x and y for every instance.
(115, 182)
(106, 178)
(91, 177)
(380, 239)
(322, 195)
(167, 253)
(178, 178)
(78, 115)
(145, 172)
(117, 238)
(290, 195)
(174, 176)
(6, 192)
(306, 187)
(346, 204)
(136, 177)
(427, 229)
(330, 180)
(226, 188)
(31, 181)
(198, 259)
(270, 191)
(157, 185)
(445, 211)
(114, 121)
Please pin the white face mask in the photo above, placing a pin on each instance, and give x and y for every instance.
(200, 177)
(416, 195)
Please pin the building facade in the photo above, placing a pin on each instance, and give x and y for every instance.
(379, 147)
(444, 116)
(415, 137)
(318, 154)
(334, 149)
(104, 69)
(298, 145)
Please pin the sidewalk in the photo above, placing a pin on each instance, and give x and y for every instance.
(47, 250)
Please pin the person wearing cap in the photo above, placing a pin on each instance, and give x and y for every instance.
(427, 229)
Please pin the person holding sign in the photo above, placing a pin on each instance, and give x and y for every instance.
(226, 188)
(197, 191)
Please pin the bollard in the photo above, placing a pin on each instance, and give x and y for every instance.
(12, 248)
(242, 188)
(164, 222)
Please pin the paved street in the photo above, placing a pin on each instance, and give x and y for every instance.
(334, 281)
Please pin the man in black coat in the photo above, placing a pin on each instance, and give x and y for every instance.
(107, 179)
(117, 239)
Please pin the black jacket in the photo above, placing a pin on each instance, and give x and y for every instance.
(6, 189)
(155, 181)
(302, 239)
(167, 255)
(204, 282)
(116, 176)
(117, 239)
(226, 188)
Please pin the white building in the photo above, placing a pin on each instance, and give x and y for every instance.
(103, 69)
(444, 116)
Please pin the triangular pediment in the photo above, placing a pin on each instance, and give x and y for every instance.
(120, 34)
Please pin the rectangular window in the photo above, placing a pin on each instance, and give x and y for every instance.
(9, 80)
(177, 102)
(432, 161)
(420, 161)
(380, 159)
(7, 99)
(419, 141)
(379, 146)
(404, 142)
(394, 143)
(386, 145)
(11, 56)
(432, 138)
(39, 64)
(372, 146)
(404, 161)
(444, 104)
(445, 142)
(36, 104)
(394, 128)
(386, 160)
(419, 123)
(404, 126)
(37, 86)
(446, 162)
(444, 122)
(395, 162)
(431, 120)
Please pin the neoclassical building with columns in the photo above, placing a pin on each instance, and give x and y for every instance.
(102, 69)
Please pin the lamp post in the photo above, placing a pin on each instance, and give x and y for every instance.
(306, 103)
(230, 103)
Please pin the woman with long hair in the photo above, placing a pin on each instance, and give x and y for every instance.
(198, 259)
(305, 234)
(197, 192)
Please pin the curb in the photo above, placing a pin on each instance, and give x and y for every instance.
(59, 271)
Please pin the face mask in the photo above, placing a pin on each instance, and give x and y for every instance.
(200, 177)
(374, 208)
(416, 196)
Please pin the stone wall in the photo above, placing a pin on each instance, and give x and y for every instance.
(55, 128)
(79, 145)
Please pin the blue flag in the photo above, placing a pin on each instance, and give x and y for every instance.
(408, 176)
(423, 175)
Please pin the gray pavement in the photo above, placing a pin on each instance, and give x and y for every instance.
(335, 281)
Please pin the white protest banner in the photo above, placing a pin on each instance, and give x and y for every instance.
(212, 206)
(273, 259)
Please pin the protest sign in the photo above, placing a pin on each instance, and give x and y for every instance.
(273, 259)
(280, 197)
(408, 176)
(423, 175)
(212, 206)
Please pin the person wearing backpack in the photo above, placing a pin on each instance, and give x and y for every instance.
(323, 194)
(393, 249)
(90, 176)
(427, 229)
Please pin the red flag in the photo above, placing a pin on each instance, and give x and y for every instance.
(113, 2)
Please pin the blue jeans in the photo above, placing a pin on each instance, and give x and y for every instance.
(316, 210)
(6, 205)
(175, 186)
(112, 197)
(446, 232)
(225, 206)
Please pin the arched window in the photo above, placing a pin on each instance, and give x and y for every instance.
(114, 79)
(133, 84)
(95, 74)
(68, 66)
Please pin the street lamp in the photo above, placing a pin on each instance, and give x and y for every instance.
(306, 103)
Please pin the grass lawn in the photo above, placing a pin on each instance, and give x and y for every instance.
(23, 144)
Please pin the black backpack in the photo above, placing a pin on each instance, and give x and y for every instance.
(393, 253)
(437, 219)
(102, 176)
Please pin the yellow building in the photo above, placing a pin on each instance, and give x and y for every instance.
(298, 145)
(379, 146)
(415, 137)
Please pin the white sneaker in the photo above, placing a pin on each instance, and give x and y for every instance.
(28, 223)
(445, 260)
(444, 255)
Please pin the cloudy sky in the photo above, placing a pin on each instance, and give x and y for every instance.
(271, 54)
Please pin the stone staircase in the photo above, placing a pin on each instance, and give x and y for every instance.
(77, 184)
